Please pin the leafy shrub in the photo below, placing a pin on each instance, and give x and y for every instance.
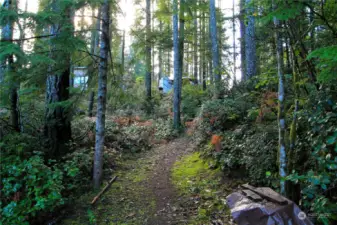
(191, 101)
(77, 171)
(136, 138)
(316, 172)
(28, 185)
(249, 148)
(218, 115)
(164, 129)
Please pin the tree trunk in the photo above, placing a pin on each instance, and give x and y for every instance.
(203, 51)
(195, 48)
(101, 98)
(250, 43)
(160, 56)
(91, 103)
(234, 45)
(215, 50)
(281, 110)
(148, 51)
(178, 47)
(242, 40)
(57, 118)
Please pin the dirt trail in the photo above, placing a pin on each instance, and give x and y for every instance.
(143, 193)
(160, 182)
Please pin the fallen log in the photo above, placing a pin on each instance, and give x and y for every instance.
(104, 189)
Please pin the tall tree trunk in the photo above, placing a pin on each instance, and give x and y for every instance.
(234, 45)
(293, 189)
(169, 52)
(148, 52)
(215, 50)
(57, 118)
(203, 51)
(242, 40)
(195, 48)
(160, 56)
(250, 43)
(178, 47)
(102, 90)
(281, 110)
(152, 44)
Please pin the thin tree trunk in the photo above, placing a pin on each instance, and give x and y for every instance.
(195, 48)
(152, 45)
(148, 52)
(287, 51)
(234, 45)
(281, 109)
(160, 56)
(102, 90)
(203, 51)
(250, 42)
(215, 50)
(178, 47)
(242, 41)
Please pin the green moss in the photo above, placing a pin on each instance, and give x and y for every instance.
(192, 177)
(190, 172)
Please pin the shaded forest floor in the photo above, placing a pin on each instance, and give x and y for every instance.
(169, 184)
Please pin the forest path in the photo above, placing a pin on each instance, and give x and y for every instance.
(143, 192)
(160, 181)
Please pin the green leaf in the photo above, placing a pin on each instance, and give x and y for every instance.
(331, 140)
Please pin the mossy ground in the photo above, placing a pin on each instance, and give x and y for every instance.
(201, 189)
(127, 201)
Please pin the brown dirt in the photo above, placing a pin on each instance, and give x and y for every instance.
(160, 182)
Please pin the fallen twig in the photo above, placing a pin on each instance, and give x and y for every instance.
(104, 189)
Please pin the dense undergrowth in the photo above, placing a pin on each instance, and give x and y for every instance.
(240, 132)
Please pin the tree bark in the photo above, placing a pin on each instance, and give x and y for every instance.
(242, 40)
(148, 78)
(281, 108)
(216, 70)
(203, 51)
(57, 118)
(234, 45)
(102, 90)
(178, 47)
(250, 43)
(195, 48)
(160, 56)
